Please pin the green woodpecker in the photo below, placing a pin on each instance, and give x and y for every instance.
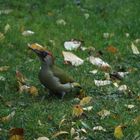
(52, 77)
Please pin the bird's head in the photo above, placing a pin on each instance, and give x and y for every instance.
(44, 55)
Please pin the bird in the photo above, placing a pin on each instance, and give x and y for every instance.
(55, 79)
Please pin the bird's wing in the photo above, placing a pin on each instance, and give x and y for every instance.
(61, 75)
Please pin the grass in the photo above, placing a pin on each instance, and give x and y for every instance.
(113, 16)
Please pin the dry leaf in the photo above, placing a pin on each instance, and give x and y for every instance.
(72, 45)
(77, 111)
(136, 120)
(134, 49)
(103, 113)
(8, 118)
(86, 15)
(61, 22)
(102, 82)
(129, 106)
(59, 133)
(112, 49)
(6, 11)
(17, 134)
(137, 41)
(72, 131)
(4, 68)
(93, 71)
(42, 138)
(20, 77)
(85, 100)
(2, 78)
(118, 132)
(1, 36)
(27, 33)
(33, 91)
(98, 62)
(7, 28)
(89, 108)
(99, 128)
(61, 122)
(108, 35)
(122, 88)
(72, 58)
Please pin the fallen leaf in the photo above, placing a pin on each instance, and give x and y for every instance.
(89, 108)
(4, 68)
(59, 133)
(61, 122)
(136, 120)
(20, 78)
(42, 138)
(134, 49)
(27, 33)
(72, 45)
(72, 58)
(8, 117)
(83, 130)
(85, 100)
(99, 128)
(104, 113)
(108, 35)
(16, 134)
(61, 22)
(93, 71)
(2, 78)
(112, 49)
(7, 28)
(118, 132)
(127, 34)
(77, 111)
(137, 41)
(122, 88)
(98, 62)
(102, 82)
(129, 106)
(1, 36)
(86, 15)
(33, 91)
(72, 131)
(6, 11)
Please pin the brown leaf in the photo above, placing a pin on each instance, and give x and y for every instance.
(112, 49)
(59, 133)
(8, 117)
(33, 91)
(77, 111)
(16, 134)
(20, 77)
(36, 46)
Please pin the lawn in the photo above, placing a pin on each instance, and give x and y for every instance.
(41, 115)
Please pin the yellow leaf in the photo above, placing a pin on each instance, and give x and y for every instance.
(118, 132)
(8, 117)
(4, 68)
(112, 49)
(59, 133)
(33, 91)
(17, 134)
(85, 100)
(77, 110)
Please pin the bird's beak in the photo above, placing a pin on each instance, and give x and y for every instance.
(38, 49)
